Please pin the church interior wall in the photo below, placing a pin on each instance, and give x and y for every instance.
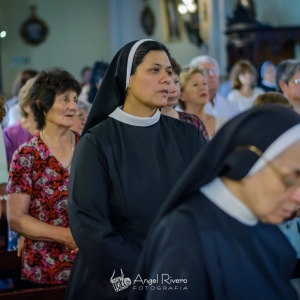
(77, 36)
(83, 32)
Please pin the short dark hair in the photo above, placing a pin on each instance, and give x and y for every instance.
(49, 84)
(271, 98)
(176, 68)
(143, 50)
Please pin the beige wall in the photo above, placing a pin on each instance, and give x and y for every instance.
(278, 12)
(77, 37)
(124, 19)
(283, 13)
(183, 51)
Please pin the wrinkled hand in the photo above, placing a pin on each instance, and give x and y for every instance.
(68, 240)
(20, 246)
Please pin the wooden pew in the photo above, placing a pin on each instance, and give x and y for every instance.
(3, 233)
(47, 293)
(9, 261)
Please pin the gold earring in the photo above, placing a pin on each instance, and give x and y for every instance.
(45, 114)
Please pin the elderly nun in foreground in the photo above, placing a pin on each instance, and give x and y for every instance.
(216, 232)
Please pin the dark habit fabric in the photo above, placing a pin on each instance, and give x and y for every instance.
(120, 176)
(193, 239)
(218, 258)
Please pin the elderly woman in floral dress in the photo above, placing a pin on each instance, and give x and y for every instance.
(38, 181)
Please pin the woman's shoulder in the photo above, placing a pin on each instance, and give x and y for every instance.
(233, 95)
(188, 117)
(219, 121)
(258, 90)
(31, 145)
(234, 92)
(12, 130)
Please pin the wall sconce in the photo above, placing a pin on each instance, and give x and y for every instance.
(2, 34)
(189, 11)
(187, 6)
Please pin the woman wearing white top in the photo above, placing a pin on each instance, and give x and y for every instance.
(243, 77)
(194, 96)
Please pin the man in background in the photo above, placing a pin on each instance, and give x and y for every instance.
(217, 105)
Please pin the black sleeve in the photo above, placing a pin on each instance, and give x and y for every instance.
(195, 139)
(90, 188)
(172, 252)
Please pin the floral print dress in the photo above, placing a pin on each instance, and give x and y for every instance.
(34, 171)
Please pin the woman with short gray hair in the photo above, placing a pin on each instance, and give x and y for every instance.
(288, 81)
(83, 109)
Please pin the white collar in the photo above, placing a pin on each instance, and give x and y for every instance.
(218, 193)
(119, 115)
(217, 97)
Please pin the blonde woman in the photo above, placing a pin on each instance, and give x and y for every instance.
(20, 132)
(194, 96)
(174, 94)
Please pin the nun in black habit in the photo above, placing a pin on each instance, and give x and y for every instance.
(125, 165)
(215, 238)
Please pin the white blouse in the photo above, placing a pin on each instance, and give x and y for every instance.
(244, 103)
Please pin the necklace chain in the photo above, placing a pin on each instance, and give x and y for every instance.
(72, 149)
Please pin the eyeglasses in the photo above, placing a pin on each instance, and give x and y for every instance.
(210, 72)
(296, 81)
(81, 116)
(288, 180)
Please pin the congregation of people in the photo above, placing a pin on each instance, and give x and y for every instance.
(148, 167)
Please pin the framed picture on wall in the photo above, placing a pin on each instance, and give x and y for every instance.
(172, 21)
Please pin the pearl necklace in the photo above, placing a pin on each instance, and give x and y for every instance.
(72, 149)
